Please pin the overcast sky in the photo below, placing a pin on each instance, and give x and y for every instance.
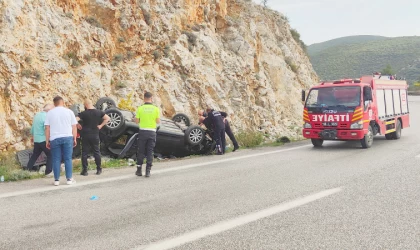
(322, 20)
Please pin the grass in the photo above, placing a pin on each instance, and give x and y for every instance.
(10, 169)
(106, 164)
(94, 22)
(249, 138)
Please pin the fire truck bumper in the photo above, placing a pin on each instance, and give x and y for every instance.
(326, 134)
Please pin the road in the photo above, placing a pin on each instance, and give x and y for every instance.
(291, 197)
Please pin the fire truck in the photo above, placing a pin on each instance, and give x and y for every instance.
(356, 110)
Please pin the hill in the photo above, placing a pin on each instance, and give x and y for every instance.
(315, 48)
(230, 55)
(356, 59)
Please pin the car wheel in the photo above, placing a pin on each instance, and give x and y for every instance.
(117, 120)
(76, 109)
(182, 118)
(105, 103)
(194, 135)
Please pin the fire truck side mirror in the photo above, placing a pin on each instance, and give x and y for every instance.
(303, 95)
(367, 94)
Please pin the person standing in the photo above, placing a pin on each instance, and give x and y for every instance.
(216, 120)
(93, 121)
(229, 132)
(61, 134)
(39, 140)
(148, 118)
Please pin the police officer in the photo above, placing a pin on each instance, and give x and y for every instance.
(148, 118)
(228, 130)
(216, 120)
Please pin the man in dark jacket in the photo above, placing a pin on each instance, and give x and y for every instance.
(228, 130)
(216, 120)
(93, 121)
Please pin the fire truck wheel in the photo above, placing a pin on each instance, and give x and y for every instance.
(397, 133)
(317, 142)
(367, 141)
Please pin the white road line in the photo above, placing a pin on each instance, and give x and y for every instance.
(161, 171)
(236, 222)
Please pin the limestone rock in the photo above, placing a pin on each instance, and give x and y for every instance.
(226, 54)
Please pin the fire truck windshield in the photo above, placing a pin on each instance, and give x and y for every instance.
(339, 98)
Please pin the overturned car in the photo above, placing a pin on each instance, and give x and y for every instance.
(176, 137)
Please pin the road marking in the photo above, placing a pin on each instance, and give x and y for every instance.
(161, 171)
(236, 222)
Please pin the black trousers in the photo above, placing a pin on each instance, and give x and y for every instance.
(90, 144)
(220, 138)
(231, 135)
(145, 145)
(40, 147)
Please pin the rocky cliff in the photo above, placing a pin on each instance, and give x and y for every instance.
(230, 55)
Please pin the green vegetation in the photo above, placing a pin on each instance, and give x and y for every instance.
(291, 64)
(340, 59)
(11, 171)
(296, 37)
(388, 70)
(94, 22)
(318, 47)
(249, 138)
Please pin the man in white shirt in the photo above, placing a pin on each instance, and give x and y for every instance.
(61, 134)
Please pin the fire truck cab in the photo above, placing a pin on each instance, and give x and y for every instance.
(356, 110)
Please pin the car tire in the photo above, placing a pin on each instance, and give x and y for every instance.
(317, 142)
(194, 135)
(76, 109)
(182, 118)
(105, 103)
(117, 119)
(367, 141)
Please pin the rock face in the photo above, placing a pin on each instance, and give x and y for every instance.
(230, 55)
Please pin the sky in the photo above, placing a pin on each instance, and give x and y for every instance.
(322, 20)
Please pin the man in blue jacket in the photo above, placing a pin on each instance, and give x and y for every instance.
(39, 140)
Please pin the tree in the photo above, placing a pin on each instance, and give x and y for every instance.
(388, 70)
(264, 3)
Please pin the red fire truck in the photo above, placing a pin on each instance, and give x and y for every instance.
(356, 110)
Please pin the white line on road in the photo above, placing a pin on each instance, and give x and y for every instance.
(161, 171)
(236, 222)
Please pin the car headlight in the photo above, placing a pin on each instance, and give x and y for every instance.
(307, 125)
(356, 125)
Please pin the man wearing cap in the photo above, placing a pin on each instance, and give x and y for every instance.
(148, 118)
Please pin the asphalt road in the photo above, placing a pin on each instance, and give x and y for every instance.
(291, 197)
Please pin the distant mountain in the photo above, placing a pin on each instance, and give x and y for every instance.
(318, 47)
(356, 56)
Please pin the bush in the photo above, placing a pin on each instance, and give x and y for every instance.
(28, 59)
(130, 55)
(94, 22)
(121, 85)
(37, 75)
(121, 40)
(1, 50)
(167, 51)
(296, 37)
(26, 73)
(127, 103)
(192, 38)
(157, 55)
(291, 64)
(147, 16)
(250, 138)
